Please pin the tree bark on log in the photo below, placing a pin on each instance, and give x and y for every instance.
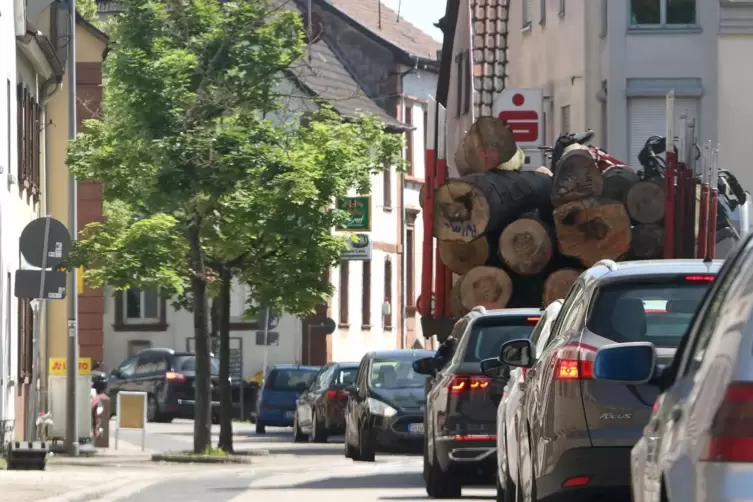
(526, 246)
(647, 241)
(489, 143)
(592, 230)
(460, 257)
(468, 207)
(558, 284)
(576, 177)
(456, 306)
(645, 202)
(487, 286)
(618, 181)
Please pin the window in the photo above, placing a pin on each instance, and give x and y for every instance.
(136, 346)
(151, 363)
(409, 140)
(395, 374)
(662, 12)
(410, 259)
(273, 338)
(187, 364)
(388, 291)
(563, 5)
(565, 120)
(141, 306)
(488, 335)
(387, 190)
(527, 13)
(28, 141)
(366, 297)
(343, 292)
(289, 379)
(346, 376)
(542, 8)
(128, 368)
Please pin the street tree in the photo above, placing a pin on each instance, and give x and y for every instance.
(206, 176)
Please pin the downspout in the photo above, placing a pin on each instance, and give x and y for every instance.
(403, 230)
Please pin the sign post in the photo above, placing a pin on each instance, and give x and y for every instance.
(271, 320)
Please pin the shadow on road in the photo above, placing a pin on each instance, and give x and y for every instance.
(373, 481)
(426, 497)
(306, 451)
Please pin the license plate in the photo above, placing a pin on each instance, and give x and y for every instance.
(289, 414)
(416, 428)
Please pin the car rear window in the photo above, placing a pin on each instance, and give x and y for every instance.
(488, 334)
(346, 376)
(290, 379)
(188, 363)
(657, 311)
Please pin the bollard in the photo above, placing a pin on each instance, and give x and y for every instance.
(102, 440)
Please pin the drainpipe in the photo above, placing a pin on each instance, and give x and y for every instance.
(403, 232)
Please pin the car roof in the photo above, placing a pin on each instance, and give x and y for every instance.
(479, 312)
(347, 365)
(608, 270)
(294, 367)
(401, 353)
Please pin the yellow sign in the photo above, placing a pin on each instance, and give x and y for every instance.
(131, 411)
(58, 366)
(80, 280)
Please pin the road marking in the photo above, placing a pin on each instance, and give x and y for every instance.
(130, 489)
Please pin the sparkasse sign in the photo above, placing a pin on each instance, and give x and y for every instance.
(523, 109)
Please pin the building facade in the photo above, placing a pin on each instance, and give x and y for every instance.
(608, 66)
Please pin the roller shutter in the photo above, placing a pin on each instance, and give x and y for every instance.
(647, 118)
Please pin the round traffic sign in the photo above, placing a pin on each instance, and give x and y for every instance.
(328, 325)
(32, 240)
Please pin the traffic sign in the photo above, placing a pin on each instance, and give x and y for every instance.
(523, 110)
(32, 241)
(28, 282)
(273, 321)
(328, 325)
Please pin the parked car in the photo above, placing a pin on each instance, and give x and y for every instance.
(697, 443)
(507, 467)
(168, 379)
(282, 385)
(385, 406)
(574, 433)
(320, 410)
(460, 417)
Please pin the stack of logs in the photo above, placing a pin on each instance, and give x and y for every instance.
(517, 238)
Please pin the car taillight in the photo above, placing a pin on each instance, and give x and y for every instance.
(468, 383)
(731, 435)
(172, 376)
(335, 395)
(699, 278)
(575, 362)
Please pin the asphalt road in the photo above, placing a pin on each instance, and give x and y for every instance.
(303, 471)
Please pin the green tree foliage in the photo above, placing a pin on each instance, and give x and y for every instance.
(202, 167)
(88, 10)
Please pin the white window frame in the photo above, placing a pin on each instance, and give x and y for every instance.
(527, 14)
(663, 25)
(142, 319)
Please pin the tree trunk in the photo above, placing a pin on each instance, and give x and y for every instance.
(468, 207)
(226, 394)
(202, 425)
(489, 143)
(647, 241)
(645, 202)
(490, 287)
(558, 284)
(460, 257)
(592, 230)
(526, 246)
(618, 181)
(576, 177)
(214, 318)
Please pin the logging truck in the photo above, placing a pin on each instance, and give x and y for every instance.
(505, 235)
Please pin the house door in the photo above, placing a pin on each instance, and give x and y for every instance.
(314, 346)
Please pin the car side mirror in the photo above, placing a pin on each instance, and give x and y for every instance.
(495, 369)
(632, 363)
(352, 390)
(517, 353)
(425, 366)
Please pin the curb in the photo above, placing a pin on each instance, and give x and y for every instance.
(88, 494)
(184, 458)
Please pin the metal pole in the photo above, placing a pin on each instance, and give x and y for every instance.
(266, 342)
(71, 418)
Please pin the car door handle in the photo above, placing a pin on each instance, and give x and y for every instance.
(676, 414)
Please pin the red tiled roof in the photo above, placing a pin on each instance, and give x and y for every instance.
(395, 30)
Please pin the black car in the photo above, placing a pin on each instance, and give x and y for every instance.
(168, 379)
(385, 408)
(461, 417)
(320, 410)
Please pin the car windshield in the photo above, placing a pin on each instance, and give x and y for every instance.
(346, 376)
(185, 364)
(290, 379)
(652, 312)
(394, 374)
(488, 334)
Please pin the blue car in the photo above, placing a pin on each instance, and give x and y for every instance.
(282, 385)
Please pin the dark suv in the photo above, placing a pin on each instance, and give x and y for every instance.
(460, 417)
(168, 379)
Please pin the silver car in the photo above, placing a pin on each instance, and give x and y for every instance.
(697, 445)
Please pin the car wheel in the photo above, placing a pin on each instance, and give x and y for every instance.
(318, 430)
(165, 419)
(365, 448)
(260, 428)
(298, 436)
(440, 485)
(152, 409)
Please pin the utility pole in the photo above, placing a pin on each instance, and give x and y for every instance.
(71, 419)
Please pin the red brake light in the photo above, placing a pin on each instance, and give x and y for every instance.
(575, 362)
(699, 278)
(462, 383)
(731, 435)
(335, 395)
(533, 320)
(172, 376)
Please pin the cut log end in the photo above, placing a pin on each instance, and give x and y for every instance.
(526, 246)
(489, 143)
(591, 230)
(645, 202)
(576, 177)
(558, 284)
(647, 241)
(461, 212)
(490, 287)
(618, 181)
(460, 257)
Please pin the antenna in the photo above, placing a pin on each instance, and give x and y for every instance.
(309, 29)
(379, 13)
(399, 7)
